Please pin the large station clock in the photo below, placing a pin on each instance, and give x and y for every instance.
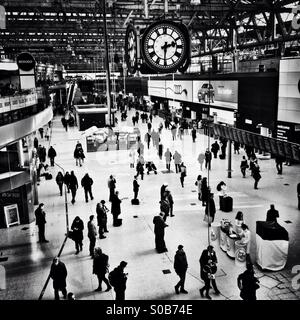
(165, 46)
(131, 48)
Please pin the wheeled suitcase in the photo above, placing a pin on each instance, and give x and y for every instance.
(226, 204)
(135, 201)
(118, 223)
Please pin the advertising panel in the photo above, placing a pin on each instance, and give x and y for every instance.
(179, 90)
(289, 90)
(157, 88)
(219, 93)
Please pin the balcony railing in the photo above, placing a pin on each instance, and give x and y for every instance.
(16, 102)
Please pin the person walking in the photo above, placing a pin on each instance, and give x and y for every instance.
(244, 165)
(204, 191)
(111, 183)
(136, 187)
(208, 159)
(40, 216)
(101, 211)
(132, 158)
(201, 158)
(100, 268)
(47, 134)
(140, 168)
(198, 183)
(115, 208)
(60, 181)
(171, 202)
(182, 174)
(279, 161)
(298, 195)
(147, 139)
(239, 221)
(210, 209)
(92, 234)
(118, 279)
(51, 155)
(180, 267)
(180, 131)
(159, 231)
(236, 147)
(165, 205)
(208, 268)
(67, 181)
(168, 157)
(79, 154)
(41, 131)
(86, 183)
(246, 239)
(160, 149)
(163, 190)
(194, 134)
(256, 174)
(64, 123)
(149, 126)
(215, 149)
(177, 160)
(173, 130)
(272, 214)
(248, 284)
(58, 273)
(73, 184)
(77, 228)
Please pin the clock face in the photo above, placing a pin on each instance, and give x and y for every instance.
(164, 46)
(131, 49)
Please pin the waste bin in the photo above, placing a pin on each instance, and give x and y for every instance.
(215, 232)
(240, 253)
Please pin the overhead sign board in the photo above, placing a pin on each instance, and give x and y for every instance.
(25, 61)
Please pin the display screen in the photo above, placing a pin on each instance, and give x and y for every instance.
(179, 90)
(218, 93)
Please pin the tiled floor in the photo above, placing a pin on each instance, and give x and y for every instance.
(28, 263)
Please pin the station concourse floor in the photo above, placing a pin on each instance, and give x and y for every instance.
(28, 263)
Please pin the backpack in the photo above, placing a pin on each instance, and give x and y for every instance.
(112, 277)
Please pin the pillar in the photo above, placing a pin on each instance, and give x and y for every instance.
(229, 158)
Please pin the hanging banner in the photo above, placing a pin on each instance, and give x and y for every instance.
(2, 18)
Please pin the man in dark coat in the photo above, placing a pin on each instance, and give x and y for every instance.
(210, 209)
(163, 190)
(77, 227)
(111, 186)
(115, 207)
(208, 268)
(165, 206)
(102, 218)
(86, 183)
(215, 148)
(40, 216)
(100, 268)
(51, 155)
(180, 266)
(194, 134)
(159, 231)
(272, 214)
(73, 185)
(207, 159)
(120, 279)
(136, 187)
(59, 273)
(64, 123)
(92, 234)
(256, 174)
(248, 284)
